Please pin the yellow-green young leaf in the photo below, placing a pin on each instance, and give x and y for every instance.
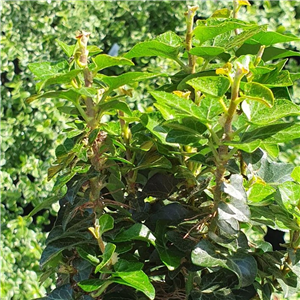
(221, 13)
(215, 86)
(103, 61)
(259, 193)
(244, 2)
(257, 92)
(296, 174)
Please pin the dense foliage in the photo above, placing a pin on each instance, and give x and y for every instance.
(159, 203)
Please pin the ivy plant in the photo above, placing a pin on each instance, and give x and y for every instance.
(166, 203)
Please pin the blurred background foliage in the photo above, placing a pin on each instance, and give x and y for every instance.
(29, 134)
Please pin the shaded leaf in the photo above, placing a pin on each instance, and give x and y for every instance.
(136, 232)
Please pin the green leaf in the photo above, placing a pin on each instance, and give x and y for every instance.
(136, 232)
(106, 223)
(153, 48)
(237, 206)
(290, 197)
(275, 133)
(103, 61)
(184, 106)
(259, 193)
(69, 50)
(269, 38)
(123, 265)
(248, 147)
(296, 174)
(86, 252)
(207, 32)
(70, 95)
(136, 279)
(258, 113)
(114, 105)
(91, 285)
(239, 39)
(106, 256)
(207, 52)
(44, 70)
(170, 256)
(243, 265)
(153, 122)
(257, 92)
(64, 292)
(187, 131)
(46, 204)
(285, 135)
(128, 78)
(183, 137)
(169, 38)
(55, 248)
(270, 53)
(215, 86)
(60, 78)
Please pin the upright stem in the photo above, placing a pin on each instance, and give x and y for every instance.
(83, 53)
(223, 153)
(189, 35)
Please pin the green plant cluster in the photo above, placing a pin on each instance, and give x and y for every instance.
(155, 204)
(29, 134)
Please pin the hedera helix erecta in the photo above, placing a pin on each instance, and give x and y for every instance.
(172, 201)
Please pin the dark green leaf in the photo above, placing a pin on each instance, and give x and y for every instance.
(136, 279)
(91, 285)
(136, 232)
(127, 266)
(64, 292)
